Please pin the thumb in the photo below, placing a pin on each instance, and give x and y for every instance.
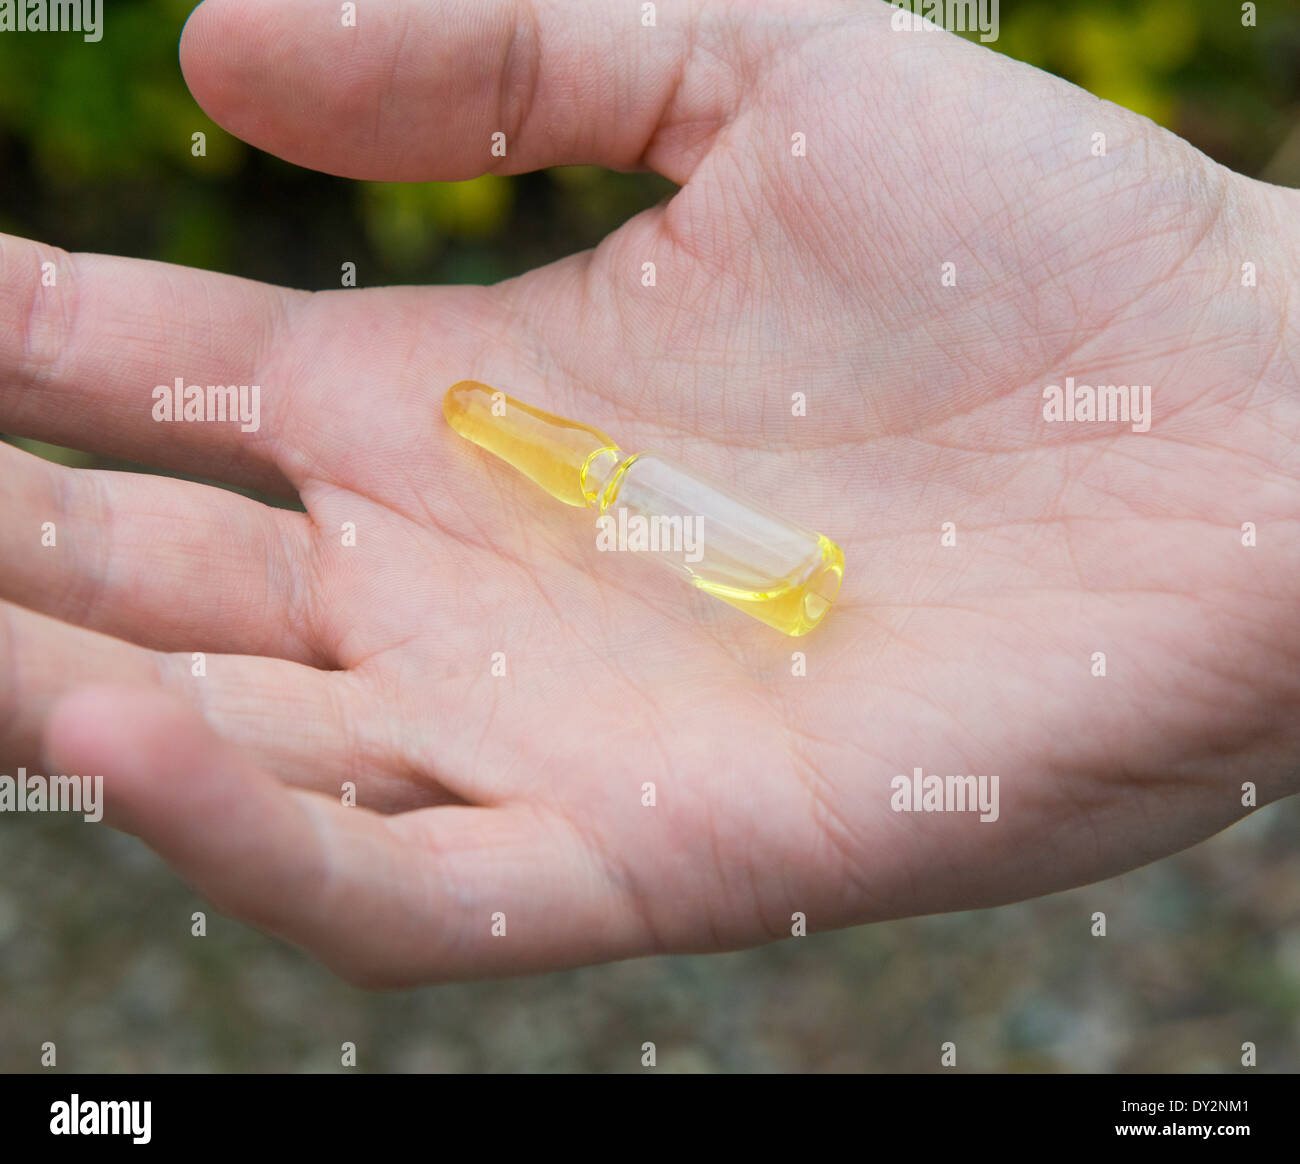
(412, 90)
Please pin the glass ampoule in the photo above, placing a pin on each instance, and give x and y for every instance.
(775, 571)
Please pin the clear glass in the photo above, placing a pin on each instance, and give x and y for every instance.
(778, 572)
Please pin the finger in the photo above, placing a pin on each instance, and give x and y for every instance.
(383, 900)
(81, 360)
(416, 89)
(167, 564)
(316, 729)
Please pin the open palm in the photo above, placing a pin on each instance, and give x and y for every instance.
(611, 762)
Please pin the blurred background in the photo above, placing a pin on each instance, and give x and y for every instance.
(1203, 949)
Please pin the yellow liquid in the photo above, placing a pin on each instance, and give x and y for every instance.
(776, 572)
(550, 450)
(793, 608)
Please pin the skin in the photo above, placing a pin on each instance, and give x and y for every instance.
(522, 794)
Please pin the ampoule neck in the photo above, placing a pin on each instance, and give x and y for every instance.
(602, 474)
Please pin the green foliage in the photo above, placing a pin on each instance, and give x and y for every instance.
(1190, 65)
(408, 222)
(96, 141)
(98, 111)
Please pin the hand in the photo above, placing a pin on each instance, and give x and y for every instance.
(522, 795)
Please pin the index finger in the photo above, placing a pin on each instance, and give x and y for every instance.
(89, 340)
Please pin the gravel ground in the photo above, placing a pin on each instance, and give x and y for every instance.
(1203, 954)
